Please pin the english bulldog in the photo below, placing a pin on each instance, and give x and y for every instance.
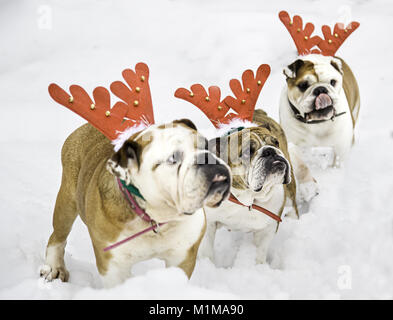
(167, 165)
(319, 105)
(261, 175)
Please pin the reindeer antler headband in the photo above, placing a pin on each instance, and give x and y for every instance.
(217, 110)
(305, 43)
(135, 111)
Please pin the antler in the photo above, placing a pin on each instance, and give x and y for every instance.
(243, 104)
(304, 43)
(333, 41)
(136, 108)
(138, 99)
(302, 37)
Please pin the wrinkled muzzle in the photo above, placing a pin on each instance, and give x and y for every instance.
(269, 167)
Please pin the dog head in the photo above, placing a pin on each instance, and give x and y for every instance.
(255, 158)
(314, 85)
(171, 166)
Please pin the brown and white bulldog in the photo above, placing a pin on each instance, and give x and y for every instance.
(261, 175)
(319, 105)
(167, 165)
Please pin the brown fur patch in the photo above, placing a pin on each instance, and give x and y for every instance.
(301, 72)
(351, 90)
(188, 123)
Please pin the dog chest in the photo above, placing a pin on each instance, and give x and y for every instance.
(172, 237)
(239, 218)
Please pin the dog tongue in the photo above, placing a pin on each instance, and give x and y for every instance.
(322, 101)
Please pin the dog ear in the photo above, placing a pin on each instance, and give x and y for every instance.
(187, 123)
(293, 68)
(123, 160)
(336, 63)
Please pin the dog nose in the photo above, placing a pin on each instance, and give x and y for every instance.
(218, 176)
(318, 90)
(268, 152)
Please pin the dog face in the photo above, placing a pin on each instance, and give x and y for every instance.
(255, 158)
(171, 166)
(314, 86)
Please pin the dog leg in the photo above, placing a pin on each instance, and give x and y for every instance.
(116, 274)
(206, 249)
(64, 216)
(184, 259)
(307, 185)
(262, 239)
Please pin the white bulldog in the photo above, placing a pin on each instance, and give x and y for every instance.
(319, 106)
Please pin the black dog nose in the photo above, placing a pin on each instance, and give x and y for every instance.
(268, 152)
(318, 90)
(216, 174)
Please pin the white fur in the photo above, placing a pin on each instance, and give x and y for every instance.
(223, 128)
(54, 266)
(126, 134)
(337, 134)
(237, 217)
(171, 244)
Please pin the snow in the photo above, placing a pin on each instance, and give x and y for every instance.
(341, 249)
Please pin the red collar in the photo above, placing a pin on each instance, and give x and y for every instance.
(254, 206)
(140, 212)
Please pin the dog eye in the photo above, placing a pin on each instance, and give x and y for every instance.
(272, 141)
(175, 158)
(333, 82)
(275, 142)
(303, 86)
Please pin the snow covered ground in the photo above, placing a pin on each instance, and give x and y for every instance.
(343, 248)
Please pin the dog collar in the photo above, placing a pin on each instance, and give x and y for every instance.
(299, 117)
(127, 190)
(131, 189)
(254, 206)
(232, 130)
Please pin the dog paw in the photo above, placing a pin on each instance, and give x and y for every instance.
(308, 191)
(50, 273)
(322, 157)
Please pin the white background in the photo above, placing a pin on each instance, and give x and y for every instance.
(341, 249)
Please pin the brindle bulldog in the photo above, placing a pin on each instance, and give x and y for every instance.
(261, 174)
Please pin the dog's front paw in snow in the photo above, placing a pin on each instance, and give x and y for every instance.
(50, 273)
(308, 191)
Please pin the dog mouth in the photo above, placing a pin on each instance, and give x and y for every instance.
(277, 165)
(216, 194)
(323, 108)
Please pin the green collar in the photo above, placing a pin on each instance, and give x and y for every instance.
(232, 131)
(132, 189)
